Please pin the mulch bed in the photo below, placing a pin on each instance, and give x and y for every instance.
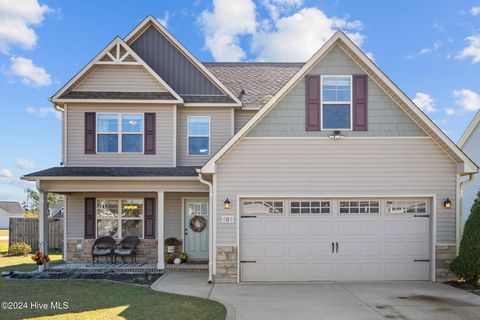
(467, 286)
(145, 279)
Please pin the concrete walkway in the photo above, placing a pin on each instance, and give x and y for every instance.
(377, 300)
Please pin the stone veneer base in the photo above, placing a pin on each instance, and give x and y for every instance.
(444, 254)
(226, 264)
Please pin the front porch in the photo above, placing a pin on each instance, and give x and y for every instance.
(125, 210)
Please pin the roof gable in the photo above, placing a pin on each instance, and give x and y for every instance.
(464, 164)
(11, 207)
(99, 75)
(470, 130)
(174, 63)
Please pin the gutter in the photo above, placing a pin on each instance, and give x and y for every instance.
(460, 210)
(210, 224)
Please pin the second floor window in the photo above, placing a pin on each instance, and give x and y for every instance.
(198, 136)
(120, 132)
(336, 99)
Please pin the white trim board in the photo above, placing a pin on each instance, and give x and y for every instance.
(468, 132)
(465, 166)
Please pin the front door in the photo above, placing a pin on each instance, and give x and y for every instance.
(196, 228)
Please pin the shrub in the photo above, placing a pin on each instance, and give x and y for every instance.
(172, 242)
(170, 257)
(19, 249)
(467, 265)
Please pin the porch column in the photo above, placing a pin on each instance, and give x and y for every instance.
(43, 223)
(160, 228)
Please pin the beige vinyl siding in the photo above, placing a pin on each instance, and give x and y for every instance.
(385, 118)
(174, 213)
(220, 132)
(120, 78)
(165, 137)
(241, 117)
(356, 166)
(76, 209)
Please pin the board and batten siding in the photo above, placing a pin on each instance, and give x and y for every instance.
(242, 117)
(165, 137)
(323, 167)
(220, 132)
(120, 78)
(470, 190)
(385, 118)
(174, 213)
(75, 206)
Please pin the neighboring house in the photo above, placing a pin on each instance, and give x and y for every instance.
(321, 170)
(470, 144)
(9, 209)
(56, 211)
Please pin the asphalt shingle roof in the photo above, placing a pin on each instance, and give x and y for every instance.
(118, 95)
(260, 80)
(115, 172)
(11, 207)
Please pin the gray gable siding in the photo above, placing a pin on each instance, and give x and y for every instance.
(385, 118)
(171, 65)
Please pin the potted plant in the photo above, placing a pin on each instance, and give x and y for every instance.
(171, 244)
(183, 256)
(40, 259)
(169, 258)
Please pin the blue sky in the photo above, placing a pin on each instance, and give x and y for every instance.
(430, 49)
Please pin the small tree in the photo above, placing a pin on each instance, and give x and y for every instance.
(32, 204)
(467, 264)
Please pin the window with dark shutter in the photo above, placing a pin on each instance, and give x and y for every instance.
(360, 105)
(312, 103)
(89, 222)
(90, 126)
(149, 218)
(150, 133)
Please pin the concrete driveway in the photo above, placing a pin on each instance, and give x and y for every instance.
(377, 300)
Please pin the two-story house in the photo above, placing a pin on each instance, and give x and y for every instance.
(321, 170)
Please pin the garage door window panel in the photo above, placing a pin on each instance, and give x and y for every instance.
(310, 207)
(360, 207)
(406, 207)
(266, 207)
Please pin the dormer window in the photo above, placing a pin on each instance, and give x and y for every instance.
(336, 102)
(119, 133)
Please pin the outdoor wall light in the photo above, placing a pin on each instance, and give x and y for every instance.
(336, 135)
(226, 204)
(447, 204)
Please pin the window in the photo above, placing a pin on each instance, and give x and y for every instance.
(120, 132)
(399, 207)
(310, 207)
(119, 218)
(198, 136)
(360, 207)
(262, 207)
(336, 102)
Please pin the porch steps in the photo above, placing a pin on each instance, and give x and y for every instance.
(186, 268)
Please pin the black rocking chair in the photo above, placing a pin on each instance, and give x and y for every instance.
(127, 248)
(103, 246)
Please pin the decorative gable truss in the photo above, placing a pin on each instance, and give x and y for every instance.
(117, 74)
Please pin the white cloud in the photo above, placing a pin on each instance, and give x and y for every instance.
(467, 99)
(435, 46)
(5, 173)
(472, 50)
(29, 72)
(297, 37)
(278, 7)
(223, 26)
(425, 102)
(43, 112)
(23, 163)
(475, 11)
(16, 20)
(165, 19)
(450, 111)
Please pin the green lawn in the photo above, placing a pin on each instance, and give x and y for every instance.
(95, 299)
(24, 263)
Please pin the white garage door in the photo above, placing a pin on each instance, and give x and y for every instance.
(341, 240)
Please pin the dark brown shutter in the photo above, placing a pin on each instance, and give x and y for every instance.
(149, 218)
(149, 133)
(312, 103)
(90, 124)
(360, 104)
(90, 206)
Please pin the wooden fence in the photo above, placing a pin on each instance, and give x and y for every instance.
(26, 230)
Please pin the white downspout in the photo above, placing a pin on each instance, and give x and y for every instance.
(460, 208)
(210, 223)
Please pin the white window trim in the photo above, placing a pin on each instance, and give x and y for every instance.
(381, 209)
(336, 102)
(119, 132)
(198, 136)
(120, 218)
(330, 207)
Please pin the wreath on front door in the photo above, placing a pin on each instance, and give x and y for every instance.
(197, 223)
